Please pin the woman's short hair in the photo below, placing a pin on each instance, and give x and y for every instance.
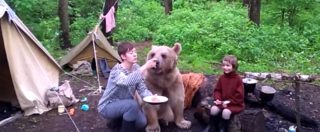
(124, 47)
(232, 60)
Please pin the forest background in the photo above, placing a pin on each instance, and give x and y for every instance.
(287, 40)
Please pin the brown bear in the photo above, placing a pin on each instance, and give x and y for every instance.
(165, 79)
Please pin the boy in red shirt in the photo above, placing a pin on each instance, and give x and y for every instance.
(228, 95)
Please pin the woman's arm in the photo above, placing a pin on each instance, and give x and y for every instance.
(120, 79)
(142, 90)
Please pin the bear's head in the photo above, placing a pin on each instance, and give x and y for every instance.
(166, 58)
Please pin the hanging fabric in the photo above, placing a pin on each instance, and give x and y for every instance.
(110, 20)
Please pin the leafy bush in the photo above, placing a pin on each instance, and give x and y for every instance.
(210, 30)
(207, 30)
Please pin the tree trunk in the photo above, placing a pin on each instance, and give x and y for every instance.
(254, 11)
(291, 15)
(64, 24)
(107, 5)
(245, 2)
(167, 6)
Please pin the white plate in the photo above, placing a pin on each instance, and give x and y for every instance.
(155, 99)
(226, 102)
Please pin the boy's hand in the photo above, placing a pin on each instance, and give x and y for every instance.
(218, 102)
(224, 105)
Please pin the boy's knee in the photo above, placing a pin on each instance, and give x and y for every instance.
(226, 113)
(214, 110)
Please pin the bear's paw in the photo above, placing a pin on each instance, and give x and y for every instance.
(184, 124)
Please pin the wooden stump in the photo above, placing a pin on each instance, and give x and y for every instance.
(251, 121)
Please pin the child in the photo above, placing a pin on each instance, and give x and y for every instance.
(228, 95)
(125, 78)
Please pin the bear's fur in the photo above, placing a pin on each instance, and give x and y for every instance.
(165, 79)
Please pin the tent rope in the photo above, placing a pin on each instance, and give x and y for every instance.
(95, 92)
(65, 108)
(69, 74)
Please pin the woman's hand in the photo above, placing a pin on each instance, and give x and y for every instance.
(148, 65)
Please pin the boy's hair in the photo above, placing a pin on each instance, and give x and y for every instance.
(232, 60)
(124, 47)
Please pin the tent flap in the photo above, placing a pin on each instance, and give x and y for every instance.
(85, 50)
(30, 69)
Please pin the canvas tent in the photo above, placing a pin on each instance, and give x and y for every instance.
(27, 69)
(95, 40)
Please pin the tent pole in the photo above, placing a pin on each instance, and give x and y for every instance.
(96, 60)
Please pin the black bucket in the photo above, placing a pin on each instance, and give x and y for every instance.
(249, 85)
(267, 93)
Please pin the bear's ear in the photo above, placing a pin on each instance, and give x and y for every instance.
(177, 48)
(154, 47)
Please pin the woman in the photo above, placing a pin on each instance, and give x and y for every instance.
(124, 80)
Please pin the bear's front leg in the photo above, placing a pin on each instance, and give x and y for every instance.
(152, 117)
(177, 105)
(178, 113)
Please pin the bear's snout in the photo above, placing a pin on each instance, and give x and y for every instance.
(157, 66)
(157, 63)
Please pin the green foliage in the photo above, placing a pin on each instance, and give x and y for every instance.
(138, 20)
(287, 40)
(209, 30)
(288, 11)
(41, 20)
(84, 17)
(41, 17)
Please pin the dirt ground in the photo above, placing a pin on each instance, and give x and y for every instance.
(90, 121)
(86, 121)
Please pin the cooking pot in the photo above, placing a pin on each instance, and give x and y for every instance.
(267, 93)
(249, 85)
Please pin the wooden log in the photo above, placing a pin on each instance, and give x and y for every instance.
(281, 76)
(287, 113)
(290, 114)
